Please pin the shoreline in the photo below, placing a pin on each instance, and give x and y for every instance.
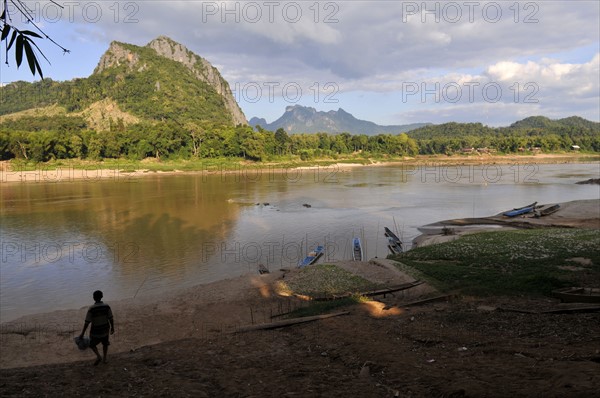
(573, 214)
(96, 171)
(206, 311)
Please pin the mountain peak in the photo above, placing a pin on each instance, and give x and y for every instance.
(118, 53)
(296, 108)
(169, 48)
(301, 119)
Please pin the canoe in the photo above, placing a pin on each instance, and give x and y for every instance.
(394, 243)
(521, 210)
(548, 210)
(394, 246)
(312, 257)
(390, 234)
(357, 253)
(578, 294)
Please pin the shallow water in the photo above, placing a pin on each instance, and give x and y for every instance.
(140, 236)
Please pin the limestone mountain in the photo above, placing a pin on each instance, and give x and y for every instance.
(162, 81)
(301, 119)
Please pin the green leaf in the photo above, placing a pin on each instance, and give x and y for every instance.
(12, 40)
(19, 50)
(30, 55)
(5, 31)
(30, 33)
(39, 69)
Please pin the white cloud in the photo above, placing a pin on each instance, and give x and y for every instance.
(370, 46)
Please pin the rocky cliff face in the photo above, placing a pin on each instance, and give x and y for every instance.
(119, 54)
(202, 69)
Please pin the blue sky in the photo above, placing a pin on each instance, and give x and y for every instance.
(390, 62)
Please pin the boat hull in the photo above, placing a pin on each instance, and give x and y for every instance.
(357, 253)
(577, 295)
(312, 257)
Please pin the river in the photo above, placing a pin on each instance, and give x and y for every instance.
(138, 236)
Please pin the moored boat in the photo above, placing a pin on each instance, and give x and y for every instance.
(357, 253)
(548, 210)
(521, 210)
(312, 257)
(394, 243)
(578, 294)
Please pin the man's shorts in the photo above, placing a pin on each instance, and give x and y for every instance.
(94, 341)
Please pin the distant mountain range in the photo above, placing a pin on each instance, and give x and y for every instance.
(301, 119)
(536, 125)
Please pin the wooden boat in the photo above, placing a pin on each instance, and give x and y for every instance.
(357, 253)
(521, 210)
(548, 210)
(578, 294)
(312, 257)
(394, 243)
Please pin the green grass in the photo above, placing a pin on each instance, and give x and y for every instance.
(325, 280)
(524, 262)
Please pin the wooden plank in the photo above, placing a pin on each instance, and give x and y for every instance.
(287, 322)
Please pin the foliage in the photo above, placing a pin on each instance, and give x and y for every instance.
(533, 132)
(23, 42)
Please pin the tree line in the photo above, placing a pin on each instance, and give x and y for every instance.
(42, 139)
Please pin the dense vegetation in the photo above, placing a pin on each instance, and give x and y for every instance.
(43, 138)
(31, 138)
(533, 132)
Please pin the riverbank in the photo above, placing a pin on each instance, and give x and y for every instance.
(204, 311)
(125, 170)
(458, 347)
(574, 214)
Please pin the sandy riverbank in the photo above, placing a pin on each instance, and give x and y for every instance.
(574, 214)
(94, 171)
(204, 311)
(460, 348)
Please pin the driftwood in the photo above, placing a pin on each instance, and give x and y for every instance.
(574, 310)
(445, 297)
(371, 293)
(287, 322)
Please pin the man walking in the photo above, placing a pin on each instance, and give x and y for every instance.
(101, 318)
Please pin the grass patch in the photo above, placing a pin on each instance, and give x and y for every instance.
(324, 280)
(524, 262)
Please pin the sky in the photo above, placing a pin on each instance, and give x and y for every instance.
(390, 62)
